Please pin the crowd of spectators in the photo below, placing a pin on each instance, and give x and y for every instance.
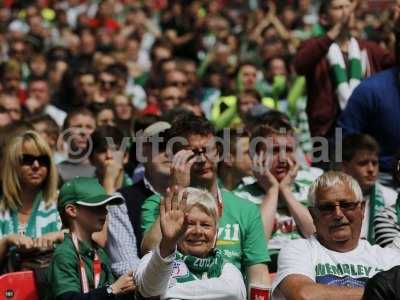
(120, 102)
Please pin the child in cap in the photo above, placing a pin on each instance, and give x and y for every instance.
(80, 268)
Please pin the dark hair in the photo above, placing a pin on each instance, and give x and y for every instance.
(273, 118)
(36, 79)
(187, 125)
(246, 63)
(145, 121)
(52, 127)
(84, 71)
(97, 107)
(354, 143)
(76, 112)
(325, 5)
(64, 218)
(264, 131)
(277, 119)
(101, 136)
(249, 92)
(267, 63)
(157, 44)
(119, 70)
(175, 113)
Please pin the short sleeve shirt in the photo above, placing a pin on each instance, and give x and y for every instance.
(64, 274)
(309, 258)
(240, 235)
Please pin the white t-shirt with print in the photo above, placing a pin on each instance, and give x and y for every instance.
(352, 269)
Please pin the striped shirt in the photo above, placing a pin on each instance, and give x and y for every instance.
(285, 228)
(43, 220)
(386, 226)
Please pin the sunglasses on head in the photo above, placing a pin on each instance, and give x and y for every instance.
(29, 160)
(330, 208)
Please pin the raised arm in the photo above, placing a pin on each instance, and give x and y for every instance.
(310, 53)
(300, 214)
(155, 270)
(271, 188)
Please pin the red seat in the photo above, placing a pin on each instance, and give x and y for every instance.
(18, 286)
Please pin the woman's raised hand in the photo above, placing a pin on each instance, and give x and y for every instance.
(173, 219)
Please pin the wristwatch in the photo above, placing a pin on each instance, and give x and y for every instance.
(110, 290)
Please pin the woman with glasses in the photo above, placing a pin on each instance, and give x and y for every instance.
(29, 219)
(186, 264)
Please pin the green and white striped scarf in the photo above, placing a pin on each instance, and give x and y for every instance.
(211, 265)
(376, 202)
(345, 79)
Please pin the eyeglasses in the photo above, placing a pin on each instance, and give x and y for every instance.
(12, 110)
(29, 160)
(330, 208)
(179, 83)
(111, 83)
(210, 153)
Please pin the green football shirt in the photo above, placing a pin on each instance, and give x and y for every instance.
(240, 235)
(64, 274)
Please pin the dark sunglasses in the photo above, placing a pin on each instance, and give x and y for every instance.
(28, 160)
(330, 208)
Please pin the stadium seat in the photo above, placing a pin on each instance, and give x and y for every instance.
(18, 286)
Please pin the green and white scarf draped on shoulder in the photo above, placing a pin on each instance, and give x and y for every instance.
(346, 77)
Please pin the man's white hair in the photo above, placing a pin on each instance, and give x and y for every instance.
(331, 179)
(202, 198)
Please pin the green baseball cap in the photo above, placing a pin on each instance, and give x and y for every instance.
(86, 191)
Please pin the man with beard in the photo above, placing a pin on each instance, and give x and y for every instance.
(240, 235)
(334, 263)
(360, 160)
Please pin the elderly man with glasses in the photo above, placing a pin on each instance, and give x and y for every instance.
(334, 263)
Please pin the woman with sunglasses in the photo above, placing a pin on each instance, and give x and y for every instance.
(29, 220)
(186, 264)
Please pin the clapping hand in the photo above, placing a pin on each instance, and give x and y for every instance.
(173, 219)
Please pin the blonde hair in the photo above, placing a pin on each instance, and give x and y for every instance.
(204, 200)
(12, 190)
(331, 179)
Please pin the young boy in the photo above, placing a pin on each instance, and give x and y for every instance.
(361, 161)
(80, 269)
